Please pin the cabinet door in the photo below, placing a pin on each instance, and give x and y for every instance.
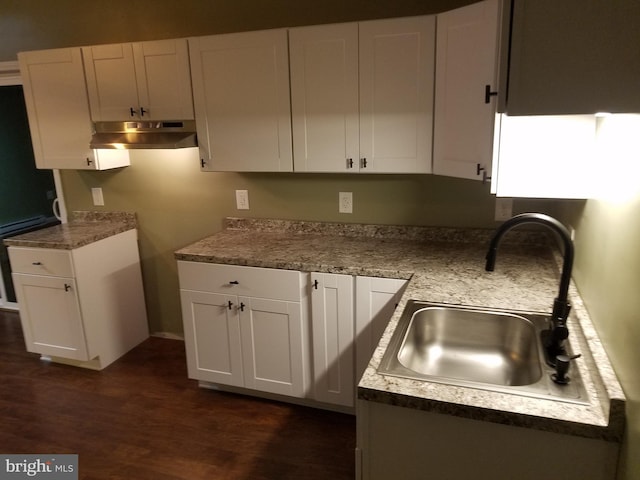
(332, 329)
(242, 101)
(50, 315)
(574, 57)
(466, 65)
(163, 79)
(376, 300)
(212, 337)
(273, 346)
(111, 82)
(56, 100)
(324, 97)
(396, 94)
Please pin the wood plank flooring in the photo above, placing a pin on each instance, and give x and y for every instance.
(141, 418)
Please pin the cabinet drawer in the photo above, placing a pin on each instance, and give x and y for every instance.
(41, 261)
(242, 281)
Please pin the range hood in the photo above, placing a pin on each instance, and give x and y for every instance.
(148, 134)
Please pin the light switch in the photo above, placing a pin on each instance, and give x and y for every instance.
(98, 199)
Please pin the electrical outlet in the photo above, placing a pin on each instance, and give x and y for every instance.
(345, 202)
(242, 199)
(504, 209)
(98, 199)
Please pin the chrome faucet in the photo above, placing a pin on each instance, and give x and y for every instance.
(553, 338)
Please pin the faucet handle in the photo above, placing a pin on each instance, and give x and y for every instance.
(563, 362)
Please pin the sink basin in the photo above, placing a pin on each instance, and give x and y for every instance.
(491, 349)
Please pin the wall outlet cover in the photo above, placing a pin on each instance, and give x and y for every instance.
(504, 209)
(345, 202)
(242, 199)
(98, 198)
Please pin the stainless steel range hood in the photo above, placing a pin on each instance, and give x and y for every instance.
(142, 135)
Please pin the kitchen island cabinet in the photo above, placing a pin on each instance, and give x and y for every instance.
(139, 81)
(82, 305)
(55, 94)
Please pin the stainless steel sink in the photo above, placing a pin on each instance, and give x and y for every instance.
(477, 347)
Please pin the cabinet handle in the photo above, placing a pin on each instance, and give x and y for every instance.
(89, 162)
(143, 111)
(481, 169)
(67, 287)
(241, 307)
(133, 111)
(36, 263)
(349, 163)
(363, 162)
(230, 305)
(202, 163)
(488, 93)
(234, 282)
(315, 284)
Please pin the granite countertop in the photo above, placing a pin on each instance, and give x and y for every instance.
(83, 229)
(443, 265)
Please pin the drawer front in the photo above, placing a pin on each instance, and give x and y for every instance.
(41, 261)
(242, 281)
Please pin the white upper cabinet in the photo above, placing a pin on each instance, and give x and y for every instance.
(242, 101)
(324, 97)
(466, 79)
(139, 81)
(396, 94)
(58, 110)
(574, 57)
(362, 96)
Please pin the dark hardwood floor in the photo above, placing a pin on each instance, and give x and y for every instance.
(141, 418)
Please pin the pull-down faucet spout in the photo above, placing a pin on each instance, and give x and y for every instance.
(553, 338)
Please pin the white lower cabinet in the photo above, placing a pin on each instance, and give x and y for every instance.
(245, 327)
(83, 306)
(333, 338)
(250, 327)
(346, 329)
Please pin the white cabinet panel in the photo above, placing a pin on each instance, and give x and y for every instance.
(59, 120)
(396, 94)
(324, 97)
(333, 338)
(212, 337)
(139, 81)
(376, 300)
(466, 65)
(50, 314)
(242, 101)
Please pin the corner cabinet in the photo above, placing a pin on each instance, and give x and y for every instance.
(139, 81)
(362, 96)
(465, 90)
(55, 94)
(83, 306)
(245, 327)
(241, 98)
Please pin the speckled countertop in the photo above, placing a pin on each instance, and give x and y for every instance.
(442, 265)
(83, 229)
